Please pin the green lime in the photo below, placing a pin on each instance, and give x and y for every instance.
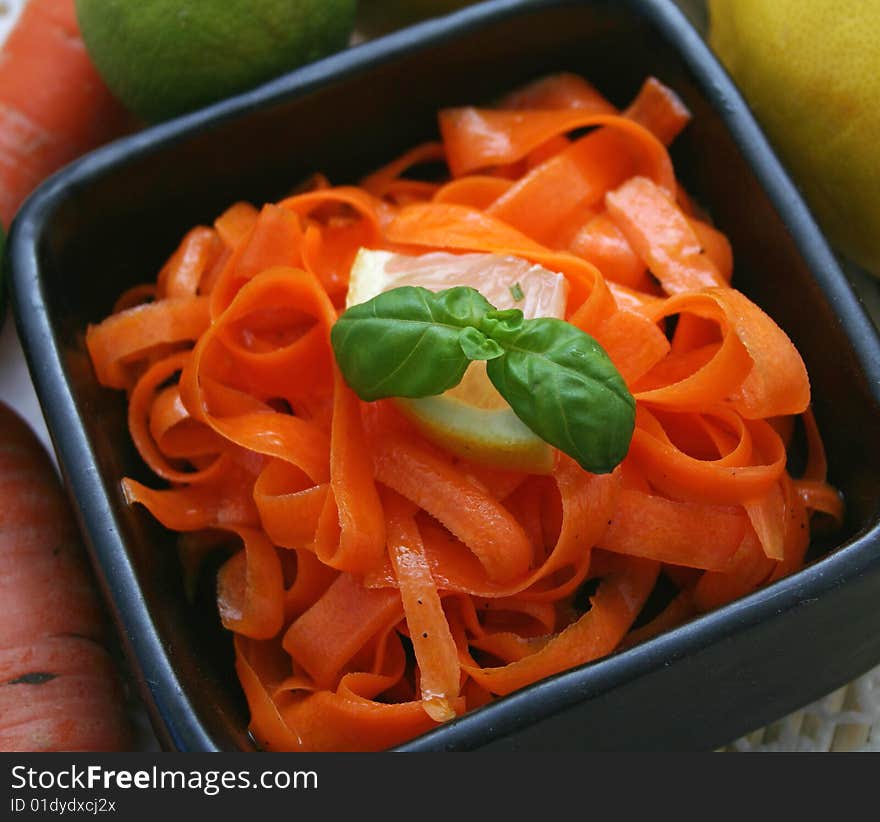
(165, 57)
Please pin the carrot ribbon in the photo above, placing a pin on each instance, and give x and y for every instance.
(378, 585)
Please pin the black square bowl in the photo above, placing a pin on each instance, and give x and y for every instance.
(111, 219)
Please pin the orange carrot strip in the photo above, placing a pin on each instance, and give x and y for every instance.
(682, 533)
(312, 579)
(134, 296)
(637, 302)
(748, 569)
(475, 191)
(656, 107)
(527, 616)
(296, 440)
(602, 243)
(581, 175)
(735, 477)
(140, 409)
(778, 383)
(659, 109)
(361, 542)
(338, 625)
(715, 246)
(176, 434)
(250, 588)
(587, 503)
(432, 483)
(134, 332)
(614, 608)
(276, 331)
(328, 251)
(662, 236)
(507, 646)
(434, 647)
(235, 224)
(227, 500)
(360, 202)
(524, 502)
(817, 464)
(679, 610)
(181, 275)
(544, 152)
(819, 496)
(566, 230)
(634, 343)
(270, 730)
(706, 376)
(693, 332)
(767, 516)
(797, 532)
(289, 504)
(767, 511)
(481, 138)
(273, 240)
(756, 368)
(333, 721)
(292, 439)
(499, 482)
(379, 181)
(403, 191)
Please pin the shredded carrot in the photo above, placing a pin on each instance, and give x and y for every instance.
(384, 585)
(429, 631)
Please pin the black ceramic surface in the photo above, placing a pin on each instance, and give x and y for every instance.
(110, 220)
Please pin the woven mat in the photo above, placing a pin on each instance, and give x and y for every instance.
(846, 720)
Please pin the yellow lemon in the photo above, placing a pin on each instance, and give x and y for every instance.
(810, 70)
(472, 420)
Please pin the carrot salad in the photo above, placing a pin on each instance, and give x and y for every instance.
(378, 585)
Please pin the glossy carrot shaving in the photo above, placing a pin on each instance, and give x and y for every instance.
(433, 645)
(378, 585)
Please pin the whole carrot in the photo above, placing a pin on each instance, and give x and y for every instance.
(59, 690)
(53, 104)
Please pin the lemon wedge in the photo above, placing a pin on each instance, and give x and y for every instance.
(471, 420)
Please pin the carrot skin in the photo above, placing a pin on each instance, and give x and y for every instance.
(59, 689)
(53, 104)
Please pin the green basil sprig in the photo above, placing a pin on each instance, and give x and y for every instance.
(412, 342)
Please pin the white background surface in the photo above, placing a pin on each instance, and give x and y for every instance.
(15, 383)
(16, 389)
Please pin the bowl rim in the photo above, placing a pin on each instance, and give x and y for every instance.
(173, 715)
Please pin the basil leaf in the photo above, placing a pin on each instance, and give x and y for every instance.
(477, 346)
(502, 322)
(406, 342)
(411, 342)
(561, 384)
